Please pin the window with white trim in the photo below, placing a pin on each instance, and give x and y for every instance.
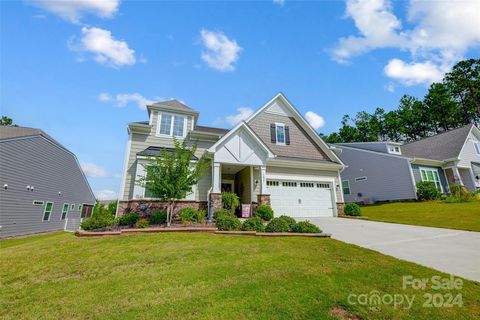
(431, 175)
(361, 179)
(64, 210)
(394, 149)
(148, 194)
(171, 125)
(79, 207)
(280, 133)
(72, 206)
(346, 187)
(477, 147)
(47, 211)
(38, 203)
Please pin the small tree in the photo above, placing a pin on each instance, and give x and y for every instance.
(6, 121)
(171, 175)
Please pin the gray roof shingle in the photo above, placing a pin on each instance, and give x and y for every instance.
(13, 132)
(443, 146)
(174, 103)
(156, 151)
(219, 131)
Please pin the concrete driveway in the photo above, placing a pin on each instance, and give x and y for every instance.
(451, 251)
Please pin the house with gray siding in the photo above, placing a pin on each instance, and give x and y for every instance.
(42, 186)
(274, 157)
(389, 171)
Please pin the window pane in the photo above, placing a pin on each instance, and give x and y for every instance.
(178, 126)
(165, 124)
(424, 175)
(281, 134)
(148, 193)
(430, 176)
(49, 206)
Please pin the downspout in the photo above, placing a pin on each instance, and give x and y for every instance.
(209, 209)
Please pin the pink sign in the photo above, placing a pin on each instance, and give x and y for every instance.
(245, 210)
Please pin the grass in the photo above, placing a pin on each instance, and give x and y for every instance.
(205, 276)
(463, 216)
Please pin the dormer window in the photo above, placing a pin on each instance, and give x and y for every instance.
(171, 125)
(394, 149)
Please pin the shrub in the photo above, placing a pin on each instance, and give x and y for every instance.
(265, 212)
(128, 219)
(142, 224)
(352, 209)
(96, 223)
(253, 224)
(158, 217)
(200, 216)
(427, 190)
(459, 194)
(289, 220)
(222, 212)
(188, 215)
(228, 223)
(305, 227)
(230, 201)
(277, 225)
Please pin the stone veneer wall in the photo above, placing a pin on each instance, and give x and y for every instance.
(145, 207)
(340, 208)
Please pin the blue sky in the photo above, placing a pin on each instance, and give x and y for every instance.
(82, 70)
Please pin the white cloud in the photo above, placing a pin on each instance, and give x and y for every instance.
(315, 120)
(104, 47)
(413, 73)
(106, 194)
(94, 171)
(123, 99)
(220, 52)
(243, 113)
(390, 87)
(441, 33)
(72, 10)
(280, 2)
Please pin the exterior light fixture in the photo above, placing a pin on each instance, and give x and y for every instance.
(5, 186)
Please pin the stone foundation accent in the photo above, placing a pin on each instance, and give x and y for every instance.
(340, 208)
(145, 207)
(263, 199)
(215, 202)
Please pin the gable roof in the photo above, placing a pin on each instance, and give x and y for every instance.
(302, 122)
(172, 104)
(13, 132)
(443, 146)
(239, 126)
(204, 129)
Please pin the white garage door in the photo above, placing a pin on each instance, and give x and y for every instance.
(302, 199)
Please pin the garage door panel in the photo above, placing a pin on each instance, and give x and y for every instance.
(301, 198)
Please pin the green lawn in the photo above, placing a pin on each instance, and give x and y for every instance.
(205, 276)
(464, 216)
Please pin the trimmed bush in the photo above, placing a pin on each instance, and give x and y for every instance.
(222, 212)
(230, 201)
(427, 190)
(142, 224)
(228, 223)
(94, 223)
(158, 217)
(277, 225)
(253, 224)
(265, 212)
(188, 215)
(305, 227)
(289, 220)
(128, 219)
(352, 209)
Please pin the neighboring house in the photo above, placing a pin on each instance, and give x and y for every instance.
(273, 157)
(386, 171)
(42, 185)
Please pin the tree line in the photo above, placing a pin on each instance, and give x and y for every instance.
(449, 104)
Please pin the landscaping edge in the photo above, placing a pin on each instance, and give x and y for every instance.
(82, 233)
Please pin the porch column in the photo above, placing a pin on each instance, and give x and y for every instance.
(263, 198)
(216, 178)
(263, 179)
(456, 176)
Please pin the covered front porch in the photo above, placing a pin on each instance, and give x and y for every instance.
(462, 176)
